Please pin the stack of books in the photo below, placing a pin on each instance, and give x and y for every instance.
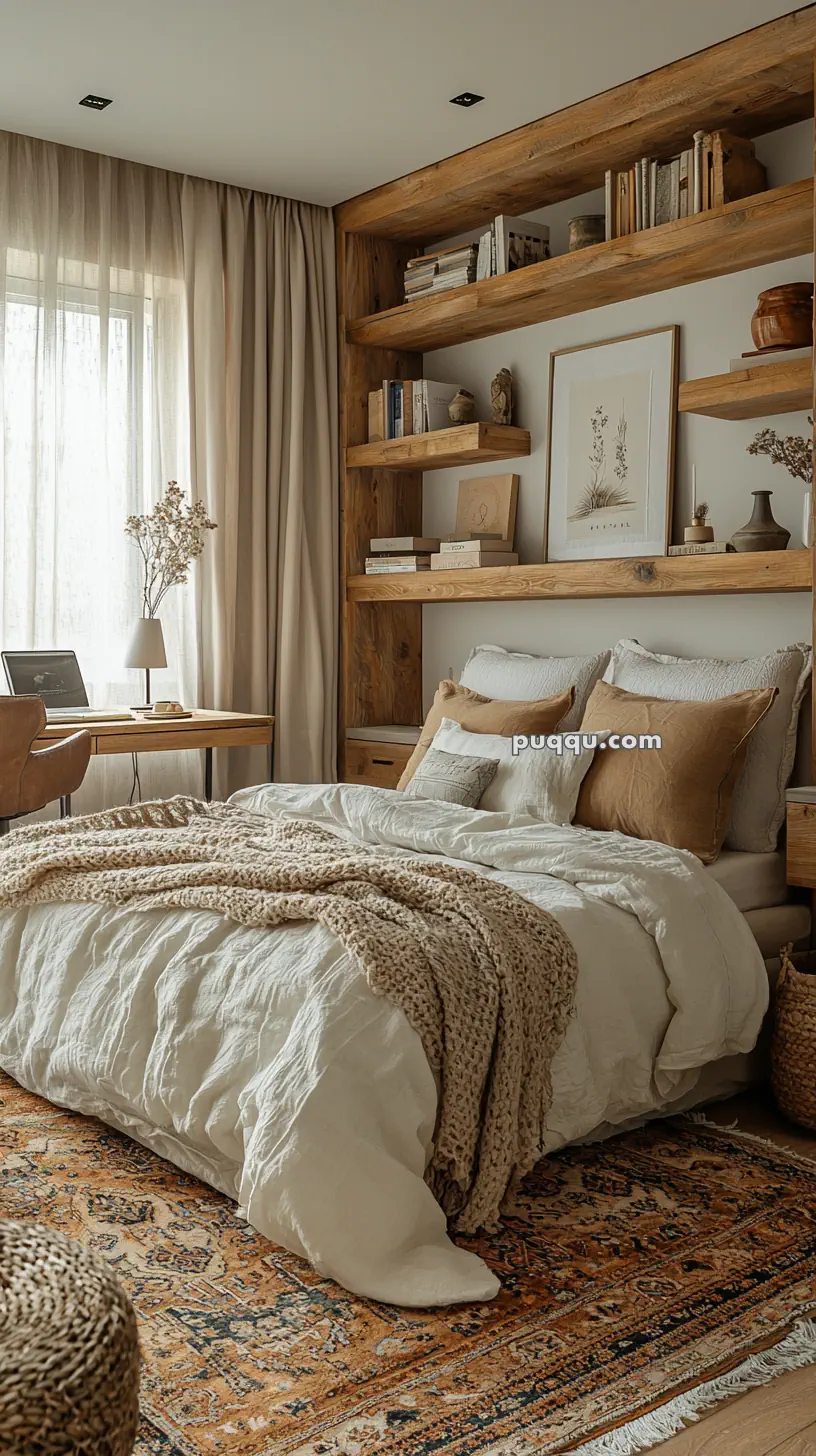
(715, 169)
(408, 407)
(473, 551)
(394, 554)
(436, 272)
(511, 243)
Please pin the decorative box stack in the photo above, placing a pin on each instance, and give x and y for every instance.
(485, 525)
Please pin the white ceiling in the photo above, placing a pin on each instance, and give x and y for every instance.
(321, 99)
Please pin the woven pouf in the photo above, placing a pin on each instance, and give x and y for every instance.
(793, 1050)
(69, 1351)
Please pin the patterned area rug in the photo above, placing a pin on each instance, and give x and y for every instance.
(635, 1270)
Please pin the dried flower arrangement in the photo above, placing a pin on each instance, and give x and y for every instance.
(699, 515)
(792, 451)
(170, 537)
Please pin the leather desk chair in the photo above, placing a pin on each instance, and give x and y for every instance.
(31, 778)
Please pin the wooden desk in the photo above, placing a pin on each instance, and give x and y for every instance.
(205, 729)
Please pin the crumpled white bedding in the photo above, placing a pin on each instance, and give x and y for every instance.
(260, 1060)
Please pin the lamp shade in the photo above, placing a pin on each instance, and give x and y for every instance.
(146, 646)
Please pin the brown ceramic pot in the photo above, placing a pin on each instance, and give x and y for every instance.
(586, 231)
(784, 317)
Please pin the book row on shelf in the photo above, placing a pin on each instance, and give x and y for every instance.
(509, 243)
(391, 555)
(408, 407)
(715, 169)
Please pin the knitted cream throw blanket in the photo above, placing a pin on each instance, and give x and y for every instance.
(484, 977)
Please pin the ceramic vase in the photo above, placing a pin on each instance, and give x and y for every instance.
(762, 532)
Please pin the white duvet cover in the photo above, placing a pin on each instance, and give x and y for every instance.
(261, 1062)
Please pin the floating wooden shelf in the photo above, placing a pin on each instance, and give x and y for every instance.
(653, 576)
(751, 83)
(461, 445)
(748, 394)
(762, 229)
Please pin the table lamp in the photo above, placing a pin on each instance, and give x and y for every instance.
(146, 650)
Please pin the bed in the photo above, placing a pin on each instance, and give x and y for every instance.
(296, 1091)
(262, 1061)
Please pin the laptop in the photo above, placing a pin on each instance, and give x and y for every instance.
(55, 677)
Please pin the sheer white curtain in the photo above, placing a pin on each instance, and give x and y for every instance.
(95, 421)
(156, 327)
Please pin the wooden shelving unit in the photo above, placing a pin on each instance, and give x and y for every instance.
(762, 229)
(750, 84)
(647, 576)
(748, 394)
(461, 445)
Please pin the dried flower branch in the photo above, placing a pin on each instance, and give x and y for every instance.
(792, 451)
(169, 538)
(700, 513)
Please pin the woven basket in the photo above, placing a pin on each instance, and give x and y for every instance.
(793, 1050)
(69, 1351)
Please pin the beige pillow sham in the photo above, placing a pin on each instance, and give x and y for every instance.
(485, 715)
(679, 794)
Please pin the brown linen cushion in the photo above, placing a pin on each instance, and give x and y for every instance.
(679, 794)
(478, 714)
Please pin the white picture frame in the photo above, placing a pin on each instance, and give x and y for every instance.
(610, 462)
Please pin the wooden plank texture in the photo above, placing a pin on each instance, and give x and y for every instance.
(749, 394)
(749, 84)
(461, 445)
(752, 571)
(380, 650)
(766, 1422)
(762, 229)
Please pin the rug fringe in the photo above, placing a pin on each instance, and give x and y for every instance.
(700, 1119)
(796, 1350)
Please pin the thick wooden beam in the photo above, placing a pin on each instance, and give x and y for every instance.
(749, 394)
(750, 84)
(653, 576)
(461, 445)
(762, 229)
(380, 647)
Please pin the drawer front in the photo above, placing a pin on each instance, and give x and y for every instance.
(802, 845)
(377, 764)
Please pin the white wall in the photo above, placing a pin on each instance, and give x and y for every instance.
(715, 326)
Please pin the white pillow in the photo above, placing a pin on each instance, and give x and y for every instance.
(758, 809)
(536, 781)
(521, 677)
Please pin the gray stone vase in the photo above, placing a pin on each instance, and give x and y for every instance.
(762, 532)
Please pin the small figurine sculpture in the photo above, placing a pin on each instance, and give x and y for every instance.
(501, 398)
(461, 407)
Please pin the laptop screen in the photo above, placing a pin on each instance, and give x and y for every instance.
(53, 676)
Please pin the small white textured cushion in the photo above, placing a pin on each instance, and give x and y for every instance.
(758, 808)
(536, 781)
(497, 673)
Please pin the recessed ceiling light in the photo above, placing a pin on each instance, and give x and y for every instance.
(466, 98)
(96, 103)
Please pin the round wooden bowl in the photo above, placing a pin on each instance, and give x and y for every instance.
(784, 317)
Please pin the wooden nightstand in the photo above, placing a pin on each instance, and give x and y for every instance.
(801, 846)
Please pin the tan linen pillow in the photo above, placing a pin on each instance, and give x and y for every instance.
(485, 715)
(679, 794)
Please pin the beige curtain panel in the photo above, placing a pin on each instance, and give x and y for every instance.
(157, 327)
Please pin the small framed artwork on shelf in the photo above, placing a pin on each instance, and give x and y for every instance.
(610, 464)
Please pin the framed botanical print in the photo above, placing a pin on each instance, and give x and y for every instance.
(610, 464)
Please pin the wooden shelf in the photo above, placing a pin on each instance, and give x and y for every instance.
(751, 83)
(654, 576)
(762, 229)
(748, 394)
(461, 445)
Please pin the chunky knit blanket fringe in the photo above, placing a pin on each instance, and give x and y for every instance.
(484, 977)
